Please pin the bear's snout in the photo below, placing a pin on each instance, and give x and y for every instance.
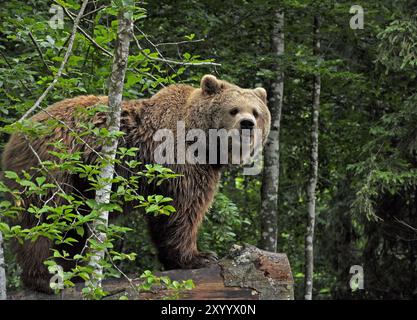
(247, 124)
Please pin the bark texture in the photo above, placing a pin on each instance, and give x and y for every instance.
(270, 179)
(312, 183)
(117, 78)
(248, 273)
(3, 293)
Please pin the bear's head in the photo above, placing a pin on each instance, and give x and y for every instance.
(222, 105)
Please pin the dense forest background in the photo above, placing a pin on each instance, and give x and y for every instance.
(367, 177)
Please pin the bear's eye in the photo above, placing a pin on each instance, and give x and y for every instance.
(255, 114)
(234, 111)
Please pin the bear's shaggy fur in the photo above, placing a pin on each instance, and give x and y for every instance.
(207, 107)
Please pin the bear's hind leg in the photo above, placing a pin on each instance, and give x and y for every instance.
(31, 257)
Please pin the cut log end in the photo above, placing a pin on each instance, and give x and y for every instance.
(247, 273)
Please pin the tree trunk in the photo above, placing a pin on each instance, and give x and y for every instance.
(3, 293)
(311, 187)
(270, 178)
(124, 35)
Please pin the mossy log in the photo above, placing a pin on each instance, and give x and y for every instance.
(247, 273)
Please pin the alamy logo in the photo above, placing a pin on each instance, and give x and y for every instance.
(57, 280)
(57, 21)
(357, 280)
(357, 21)
(217, 146)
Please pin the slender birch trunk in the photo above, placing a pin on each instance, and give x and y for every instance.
(3, 293)
(311, 187)
(270, 178)
(124, 35)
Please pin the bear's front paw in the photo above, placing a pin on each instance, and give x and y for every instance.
(202, 260)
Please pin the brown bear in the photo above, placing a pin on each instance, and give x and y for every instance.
(216, 104)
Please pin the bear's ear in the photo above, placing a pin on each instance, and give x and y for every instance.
(210, 84)
(261, 93)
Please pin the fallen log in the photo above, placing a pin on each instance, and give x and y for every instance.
(247, 273)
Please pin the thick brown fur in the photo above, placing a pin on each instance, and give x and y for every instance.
(175, 236)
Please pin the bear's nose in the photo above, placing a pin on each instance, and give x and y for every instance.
(247, 124)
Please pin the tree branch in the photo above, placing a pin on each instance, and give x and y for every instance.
(61, 69)
(178, 43)
(85, 34)
(168, 61)
(40, 52)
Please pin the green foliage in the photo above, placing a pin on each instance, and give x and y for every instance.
(398, 44)
(60, 214)
(221, 226)
(174, 288)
